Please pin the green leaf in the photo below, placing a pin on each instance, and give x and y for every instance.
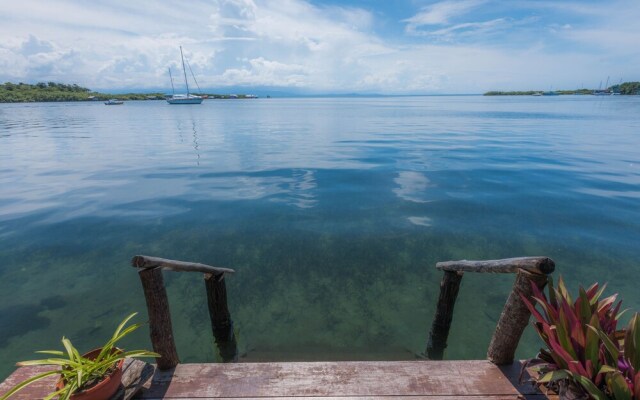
(621, 313)
(585, 307)
(63, 362)
(632, 342)
(79, 377)
(553, 300)
(605, 304)
(27, 382)
(107, 348)
(612, 349)
(590, 387)
(618, 386)
(554, 376)
(75, 370)
(562, 331)
(595, 298)
(592, 346)
(54, 352)
(71, 351)
(54, 394)
(123, 323)
(564, 293)
(606, 368)
(68, 390)
(141, 353)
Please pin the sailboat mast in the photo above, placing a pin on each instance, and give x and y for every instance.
(173, 90)
(185, 72)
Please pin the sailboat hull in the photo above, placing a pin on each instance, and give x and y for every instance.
(191, 100)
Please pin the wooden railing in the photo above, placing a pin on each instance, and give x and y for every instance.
(515, 315)
(161, 330)
(512, 322)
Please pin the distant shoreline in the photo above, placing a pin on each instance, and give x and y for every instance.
(627, 88)
(60, 92)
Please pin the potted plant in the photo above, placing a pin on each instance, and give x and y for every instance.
(95, 375)
(586, 356)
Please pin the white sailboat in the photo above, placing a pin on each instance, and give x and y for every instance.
(183, 98)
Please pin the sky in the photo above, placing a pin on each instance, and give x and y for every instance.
(323, 46)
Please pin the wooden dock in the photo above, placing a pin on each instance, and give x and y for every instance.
(432, 380)
(498, 377)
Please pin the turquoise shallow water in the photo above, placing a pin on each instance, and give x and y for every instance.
(332, 211)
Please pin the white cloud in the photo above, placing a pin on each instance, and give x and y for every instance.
(440, 13)
(269, 73)
(294, 43)
(472, 27)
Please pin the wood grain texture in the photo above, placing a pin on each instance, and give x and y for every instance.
(135, 374)
(175, 265)
(221, 323)
(539, 265)
(160, 328)
(394, 397)
(434, 380)
(437, 342)
(514, 318)
(337, 379)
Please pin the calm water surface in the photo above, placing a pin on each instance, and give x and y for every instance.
(332, 211)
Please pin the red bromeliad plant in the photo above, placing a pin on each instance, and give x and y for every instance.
(623, 381)
(622, 369)
(583, 342)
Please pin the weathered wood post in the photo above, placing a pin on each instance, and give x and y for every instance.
(444, 314)
(160, 328)
(161, 331)
(221, 323)
(514, 318)
(515, 315)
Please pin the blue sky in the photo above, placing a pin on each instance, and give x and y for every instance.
(323, 46)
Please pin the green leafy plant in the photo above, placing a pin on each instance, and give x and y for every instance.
(585, 353)
(622, 381)
(79, 372)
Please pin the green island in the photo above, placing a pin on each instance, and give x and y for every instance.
(627, 88)
(52, 91)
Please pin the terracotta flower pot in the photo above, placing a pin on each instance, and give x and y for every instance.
(104, 389)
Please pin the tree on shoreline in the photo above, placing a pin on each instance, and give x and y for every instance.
(627, 88)
(52, 91)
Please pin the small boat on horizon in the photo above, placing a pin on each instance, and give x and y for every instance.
(603, 92)
(183, 98)
(113, 102)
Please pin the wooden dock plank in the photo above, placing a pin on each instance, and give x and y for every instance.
(434, 380)
(320, 379)
(135, 374)
(396, 397)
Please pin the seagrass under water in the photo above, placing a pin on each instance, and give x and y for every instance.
(333, 212)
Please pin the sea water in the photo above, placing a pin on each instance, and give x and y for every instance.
(332, 211)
